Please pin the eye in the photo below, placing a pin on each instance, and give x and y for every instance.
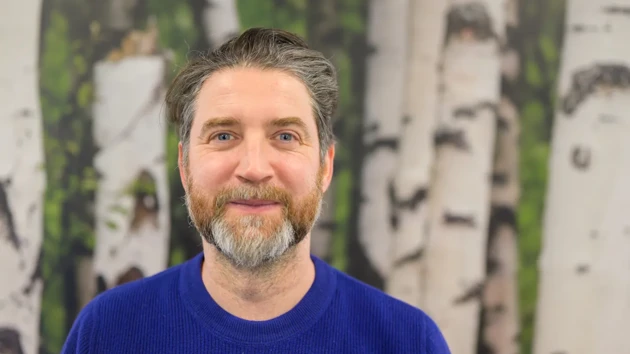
(286, 136)
(223, 136)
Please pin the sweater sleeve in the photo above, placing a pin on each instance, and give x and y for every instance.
(79, 340)
(435, 341)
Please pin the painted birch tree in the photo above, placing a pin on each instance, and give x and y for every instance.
(132, 198)
(584, 287)
(387, 37)
(460, 187)
(22, 178)
(500, 323)
(218, 21)
(427, 25)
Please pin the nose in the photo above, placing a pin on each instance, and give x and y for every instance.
(254, 166)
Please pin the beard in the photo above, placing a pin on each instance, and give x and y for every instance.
(253, 241)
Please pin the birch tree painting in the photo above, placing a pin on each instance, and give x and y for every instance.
(22, 178)
(385, 75)
(583, 304)
(218, 20)
(427, 25)
(460, 190)
(132, 213)
(500, 315)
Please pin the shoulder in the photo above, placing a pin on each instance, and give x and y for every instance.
(116, 309)
(400, 324)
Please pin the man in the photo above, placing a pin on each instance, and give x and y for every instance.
(255, 156)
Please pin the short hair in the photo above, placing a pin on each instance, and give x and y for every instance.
(264, 48)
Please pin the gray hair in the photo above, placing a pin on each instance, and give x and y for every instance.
(263, 48)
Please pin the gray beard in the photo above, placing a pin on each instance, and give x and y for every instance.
(250, 250)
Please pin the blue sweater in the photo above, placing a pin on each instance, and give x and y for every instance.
(172, 312)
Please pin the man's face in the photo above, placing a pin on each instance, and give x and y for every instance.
(254, 179)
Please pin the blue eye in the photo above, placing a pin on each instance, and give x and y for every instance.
(286, 136)
(223, 136)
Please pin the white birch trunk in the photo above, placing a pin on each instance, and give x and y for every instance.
(132, 200)
(500, 297)
(411, 182)
(220, 21)
(584, 293)
(22, 177)
(387, 35)
(460, 193)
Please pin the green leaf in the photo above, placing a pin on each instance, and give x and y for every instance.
(548, 49)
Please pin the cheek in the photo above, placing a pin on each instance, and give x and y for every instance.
(299, 177)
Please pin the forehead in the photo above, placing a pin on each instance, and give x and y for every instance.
(253, 95)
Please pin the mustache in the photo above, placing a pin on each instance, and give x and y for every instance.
(270, 193)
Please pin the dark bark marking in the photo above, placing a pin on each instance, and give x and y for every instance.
(582, 268)
(581, 28)
(502, 123)
(411, 203)
(383, 143)
(406, 119)
(470, 112)
(594, 234)
(500, 215)
(598, 77)
(132, 274)
(617, 10)
(469, 21)
(500, 179)
(101, 284)
(581, 157)
(146, 205)
(6, 214)
(10, 341)
(35, 275)
(371, 128)
(411, 257)
(458, 219)
(451, 137)
(472, 293)
(497, 309)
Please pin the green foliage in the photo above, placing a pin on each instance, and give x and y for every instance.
(542, 27)
(55, 85)
(176, 28)
(256, 14)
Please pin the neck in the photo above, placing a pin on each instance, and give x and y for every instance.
(259, 294)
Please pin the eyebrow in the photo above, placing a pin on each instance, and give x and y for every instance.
(290, 121)
(218, 122)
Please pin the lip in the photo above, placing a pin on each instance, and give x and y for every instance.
(252, 205)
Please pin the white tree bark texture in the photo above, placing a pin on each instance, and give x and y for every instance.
(460, 190)
(500, 321)
(385, 76)
(427, 26)
(132, 200)
(584, 292)
(22, 177)
(220, 21)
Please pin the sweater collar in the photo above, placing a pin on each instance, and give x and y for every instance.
(233, 328)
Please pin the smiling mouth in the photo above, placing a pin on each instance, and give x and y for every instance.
(254, 203)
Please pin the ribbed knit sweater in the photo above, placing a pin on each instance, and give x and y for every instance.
(172, 312)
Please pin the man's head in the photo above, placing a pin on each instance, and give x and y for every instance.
(256, 144)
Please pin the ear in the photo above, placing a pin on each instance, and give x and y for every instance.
(329, 161)
(181, 166)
